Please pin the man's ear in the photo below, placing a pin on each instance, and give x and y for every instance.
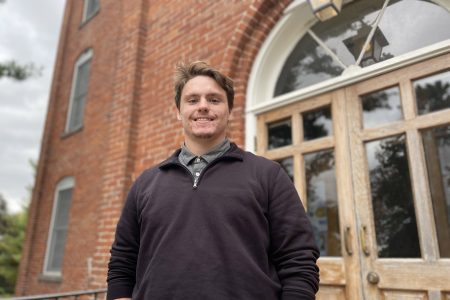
(178, 115)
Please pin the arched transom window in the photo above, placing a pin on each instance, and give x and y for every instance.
(389, 28)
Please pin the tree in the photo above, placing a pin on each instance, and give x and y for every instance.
(18, 72)
(12, 237)
(12, 232)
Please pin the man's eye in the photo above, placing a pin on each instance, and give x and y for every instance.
(192, 100)
(215, 100)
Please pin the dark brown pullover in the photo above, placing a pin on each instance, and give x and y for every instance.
(241, 233)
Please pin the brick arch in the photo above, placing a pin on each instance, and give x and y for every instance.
(249, 34)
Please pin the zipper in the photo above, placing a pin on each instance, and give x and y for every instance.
(197, 180)
(194, 179)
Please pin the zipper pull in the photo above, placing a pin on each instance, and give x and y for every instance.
(195, 183)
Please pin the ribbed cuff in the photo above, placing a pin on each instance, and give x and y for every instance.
(298, 295)
(119, 291)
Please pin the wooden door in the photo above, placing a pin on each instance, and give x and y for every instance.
(400, 148)
(310, 135)
(371, 163)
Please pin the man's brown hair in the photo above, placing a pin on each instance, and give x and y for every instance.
(185, 72)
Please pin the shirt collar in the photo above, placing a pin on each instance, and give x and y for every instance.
(186, 157)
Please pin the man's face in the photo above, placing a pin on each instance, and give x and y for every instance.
(203, 111)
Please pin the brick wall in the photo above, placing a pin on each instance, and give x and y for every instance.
(130, 118)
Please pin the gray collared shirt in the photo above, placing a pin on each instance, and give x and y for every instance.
(196, 164)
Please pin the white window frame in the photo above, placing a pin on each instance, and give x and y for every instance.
(88, 15)
(65, 184)
(296, 20)
(85, 57)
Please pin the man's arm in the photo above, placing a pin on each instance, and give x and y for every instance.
(124, 251)
(293, 248)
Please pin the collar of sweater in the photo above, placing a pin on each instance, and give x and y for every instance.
(234, 153)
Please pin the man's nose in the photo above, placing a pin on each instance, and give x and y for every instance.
(203, 104)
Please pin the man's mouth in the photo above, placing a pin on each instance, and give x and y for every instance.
(203, 119)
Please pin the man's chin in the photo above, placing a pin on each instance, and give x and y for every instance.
(203, 136)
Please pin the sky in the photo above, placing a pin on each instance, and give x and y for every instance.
(29, 33)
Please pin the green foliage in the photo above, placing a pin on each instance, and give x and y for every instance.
(12, 70)
(12, 232)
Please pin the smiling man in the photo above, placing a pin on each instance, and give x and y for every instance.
(212, 221)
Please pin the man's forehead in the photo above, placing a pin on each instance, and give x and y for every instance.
(202, 85)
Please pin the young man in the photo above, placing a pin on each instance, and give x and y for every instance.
(212, 221)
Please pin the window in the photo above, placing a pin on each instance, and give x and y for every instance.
(90, 9)
(393, 28)
(79, 92)
(58, 227)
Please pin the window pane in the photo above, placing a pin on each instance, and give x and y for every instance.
(59, 231)
(322, 201)
(343, 34)
(392, 199)
(79, 97)
(279, 134)
(287, 165)
(57, 251)
(381, 107)
(432, 93)
(436, 143)
(76, 113)
(92, 7)
(407, 26)
(317, 123)
(63, 206)
(307, 64)
(404, 27)
(81, 86)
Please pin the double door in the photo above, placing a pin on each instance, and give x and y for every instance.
(371, 162)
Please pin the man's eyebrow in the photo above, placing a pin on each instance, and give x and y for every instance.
(191, 95)
(207, 95)
(214, 94)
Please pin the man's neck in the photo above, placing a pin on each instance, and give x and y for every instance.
(205, 146)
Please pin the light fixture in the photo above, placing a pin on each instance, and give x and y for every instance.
(325, 9)
(373, 50)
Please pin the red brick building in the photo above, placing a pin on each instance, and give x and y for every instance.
(307, 95)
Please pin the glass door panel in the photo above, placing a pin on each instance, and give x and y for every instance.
(279, 134)
(317, 123)
(432, 93)
(436, 143)
(392, 198)
(381, 107)
(322, 201)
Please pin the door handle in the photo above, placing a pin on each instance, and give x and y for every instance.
(373, 277)
(347, 243)
(363, 235)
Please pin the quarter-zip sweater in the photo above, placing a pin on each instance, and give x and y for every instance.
(241, 233)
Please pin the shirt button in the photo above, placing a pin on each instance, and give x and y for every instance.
(197, 159)
(197, 173)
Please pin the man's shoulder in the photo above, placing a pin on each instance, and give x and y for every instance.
(156, 168)
(257, 160)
